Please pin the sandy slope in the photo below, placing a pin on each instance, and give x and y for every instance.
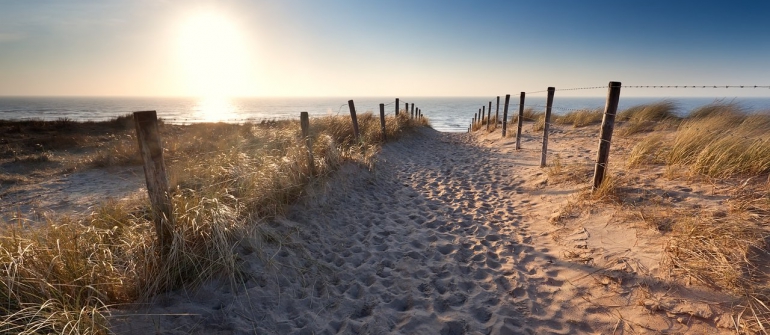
(450, 234)
(72, 194)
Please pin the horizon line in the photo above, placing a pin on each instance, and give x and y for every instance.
(539, 94)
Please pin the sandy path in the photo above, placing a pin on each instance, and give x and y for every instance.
(446, 236)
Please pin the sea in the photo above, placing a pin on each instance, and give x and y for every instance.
(447, 114)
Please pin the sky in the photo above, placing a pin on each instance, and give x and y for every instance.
(380, 48)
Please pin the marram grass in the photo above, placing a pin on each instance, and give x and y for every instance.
(724, 249)
(63, 276)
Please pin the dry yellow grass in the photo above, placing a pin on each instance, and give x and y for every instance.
(723, 144)
(581, 118)
(725, 248)
(644, 118)
(62, 276)
(650, 150)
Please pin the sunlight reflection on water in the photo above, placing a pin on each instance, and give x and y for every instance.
(215, 109)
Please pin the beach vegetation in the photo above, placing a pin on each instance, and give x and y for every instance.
(648, 117)
(63, 275)
(580, 118)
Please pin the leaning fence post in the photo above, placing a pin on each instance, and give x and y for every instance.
(548, 105)
(497, 111)
(355, 121)
(382, 121)
(304, 122)
(520, 121)
(489, 115)
(150, 147)
(505, 113)
(608, 125)
(397, 105)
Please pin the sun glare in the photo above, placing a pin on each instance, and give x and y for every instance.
(213, 56)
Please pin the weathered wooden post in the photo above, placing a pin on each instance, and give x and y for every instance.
(474, 122)
(497, 111)
(489, 115)
(304, 122)
(150, 147)
(382, 121)
(355, 120)
(608, 125)
(505, 113)
(413, 110)
(546, 126)
(520, 121)
(397, 105)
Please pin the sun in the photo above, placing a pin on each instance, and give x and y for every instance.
(214, 56)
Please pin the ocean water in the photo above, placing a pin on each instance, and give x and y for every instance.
(446, 114)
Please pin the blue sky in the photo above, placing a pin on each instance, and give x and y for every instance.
(382, 48)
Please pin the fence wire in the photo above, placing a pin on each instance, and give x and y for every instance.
(695, 86)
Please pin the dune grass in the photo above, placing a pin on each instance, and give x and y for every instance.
(580, 118)
(64, 275)
(723, 144)
(725, 248)
(648, 117)
(647, 151)
(728, 250)
(529, 114)
(718, 140)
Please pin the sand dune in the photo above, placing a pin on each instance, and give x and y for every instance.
(449, 234)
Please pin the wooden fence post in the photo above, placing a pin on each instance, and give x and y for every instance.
(304, 122)
(546, 126)
(382, 121)
(489, 115)
(355, 120)
(608, 125)
(520, 121)
(150, 147)
(497, 112)
(413, 110)
(397, 105)
(505, 113)
(474, 122)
